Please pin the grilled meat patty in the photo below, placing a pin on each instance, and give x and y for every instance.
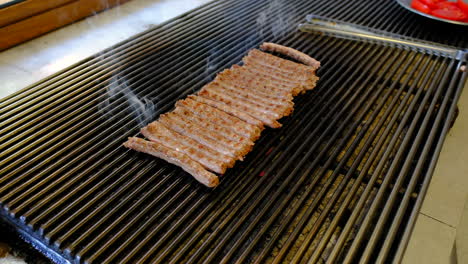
(208, 132)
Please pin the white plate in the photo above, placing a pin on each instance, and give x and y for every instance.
(407, 4)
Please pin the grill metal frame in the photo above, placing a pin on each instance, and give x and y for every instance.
(49, 181)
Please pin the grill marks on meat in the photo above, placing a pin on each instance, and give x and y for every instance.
(295, 54)
(221, 118)
(161, 135)
(257, 94)
(254, 82)
(296, 79)
(256, 57)
(218, 93)
(182, 111)
(285, 70)
(230, 110)
(282, 108)
(200, 134)
(213, 129)
(175, 157)
(277, 62)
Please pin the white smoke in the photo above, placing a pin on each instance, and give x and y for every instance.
(275, 19)
(142, 109)
(212, 62)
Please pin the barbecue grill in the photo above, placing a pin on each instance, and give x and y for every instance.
(341, 181)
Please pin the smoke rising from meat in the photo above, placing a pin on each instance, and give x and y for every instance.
(275, 18)
(119, 89)
(142, 109)
(212, 62)
(275, 21)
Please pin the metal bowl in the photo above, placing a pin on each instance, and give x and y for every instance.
(407, 4)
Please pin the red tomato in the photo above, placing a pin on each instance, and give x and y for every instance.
(446, 5)
(420, 6)
(448, 10)
(431, 3)
(463, 6)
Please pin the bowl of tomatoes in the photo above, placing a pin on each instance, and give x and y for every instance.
(454, 11)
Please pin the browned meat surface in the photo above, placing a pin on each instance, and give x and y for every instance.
(293, 87)
(295, 54)
(221, 118)
(285, 65)
(230, 82)
(254, 82)
(297, 74)
(298, 85)
(240, 106)
(240, 148)
(306, 83)
(288, 87)
(313, 80)
(175, 157)
(207, 157)
(227, 133)
(202, 135)
(230, 110)
(216, 88)
(281, 107)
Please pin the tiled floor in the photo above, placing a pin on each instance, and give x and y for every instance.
(431, 243)
(434, 233)
(25, 64)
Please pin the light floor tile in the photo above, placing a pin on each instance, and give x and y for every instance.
(430, 243)
(448, 189)
(12, 79)
(462, 237)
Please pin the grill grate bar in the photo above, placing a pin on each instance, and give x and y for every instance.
(380, 166)
(422, 158)
(425, 184)
(373, 155)
(144, 227)
(119, 193)
(296, 231)
(139, 216)
(360, 178)
(404, 171)
(396, 162)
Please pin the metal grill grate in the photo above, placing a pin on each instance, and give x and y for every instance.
(342, 180)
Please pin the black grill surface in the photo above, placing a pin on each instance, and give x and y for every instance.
(341, 181)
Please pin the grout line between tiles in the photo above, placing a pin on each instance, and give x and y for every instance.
(438, 220)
